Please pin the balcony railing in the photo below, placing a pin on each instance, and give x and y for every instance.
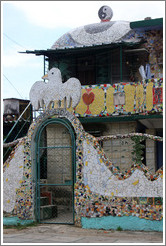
(128, 98)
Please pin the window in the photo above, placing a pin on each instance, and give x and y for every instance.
(85, 70)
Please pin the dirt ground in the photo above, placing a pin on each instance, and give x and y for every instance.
(70, 234)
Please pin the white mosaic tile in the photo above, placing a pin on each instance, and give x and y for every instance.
(12, 178)
(97, 33)
(42, 93)
(102, 181)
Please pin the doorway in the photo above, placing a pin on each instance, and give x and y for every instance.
(55, 172)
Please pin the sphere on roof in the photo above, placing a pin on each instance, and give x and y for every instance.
(105, 13)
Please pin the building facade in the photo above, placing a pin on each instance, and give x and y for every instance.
(99, 164)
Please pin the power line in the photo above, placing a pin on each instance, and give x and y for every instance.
(12, 85)
(13, 40)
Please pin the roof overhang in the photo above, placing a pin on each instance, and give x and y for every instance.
(121, 118)
(74, 50)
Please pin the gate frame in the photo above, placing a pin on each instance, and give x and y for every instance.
(65, 122)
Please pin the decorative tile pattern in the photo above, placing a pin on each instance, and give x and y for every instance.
(121, 99)
(123, 207)
(24, 196)
(93, 204)
(122, 136)
(100, 189)
(94, 34)
(12, 177)
(157, 95)
(99, 178)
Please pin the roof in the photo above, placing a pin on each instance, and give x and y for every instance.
(24, 100)
(94, 34)
(104, 35)
(149, 24)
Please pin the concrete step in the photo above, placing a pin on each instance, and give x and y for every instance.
(44, 201)
(48, 212)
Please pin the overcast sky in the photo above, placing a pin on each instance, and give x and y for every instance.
(35, 25)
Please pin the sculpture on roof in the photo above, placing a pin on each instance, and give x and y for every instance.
(105, 13)
(42, 94)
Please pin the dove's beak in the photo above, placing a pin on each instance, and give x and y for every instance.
(45, 76)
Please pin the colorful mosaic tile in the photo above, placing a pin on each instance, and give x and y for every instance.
(90, 203)
(12, 177)
(121, 98)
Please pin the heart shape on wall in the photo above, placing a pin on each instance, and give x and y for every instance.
(88, 98)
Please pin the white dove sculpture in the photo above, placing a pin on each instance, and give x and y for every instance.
(42, 93)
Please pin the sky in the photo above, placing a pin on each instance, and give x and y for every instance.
(36, 25)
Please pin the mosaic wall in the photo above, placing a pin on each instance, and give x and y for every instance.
(115, 203)
(121, 99)
(154, 45)
(100, 188)
(12, 168)
(24, 196)
(17, 184)
(99, 178)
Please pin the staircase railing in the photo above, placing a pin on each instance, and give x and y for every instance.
(15, 138)
(16, 122)
(11, 130)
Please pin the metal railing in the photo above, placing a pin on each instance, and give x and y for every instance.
(9, 148)
(16, 122)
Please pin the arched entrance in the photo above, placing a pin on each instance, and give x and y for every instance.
(55, 171)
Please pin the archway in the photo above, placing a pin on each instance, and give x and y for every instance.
(55, 171)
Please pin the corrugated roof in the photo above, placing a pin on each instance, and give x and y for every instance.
(81, 48)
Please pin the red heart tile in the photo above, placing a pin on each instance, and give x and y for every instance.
(88, 98)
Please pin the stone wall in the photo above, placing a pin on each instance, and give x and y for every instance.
(119, 150)
(151, 157)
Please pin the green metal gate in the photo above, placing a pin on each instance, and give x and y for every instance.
(55, 172)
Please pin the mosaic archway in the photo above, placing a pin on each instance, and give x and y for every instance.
(30, 171)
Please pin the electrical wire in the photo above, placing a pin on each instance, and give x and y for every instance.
(13, 86)
(13, 40)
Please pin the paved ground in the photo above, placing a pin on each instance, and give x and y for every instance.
(70, 234)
